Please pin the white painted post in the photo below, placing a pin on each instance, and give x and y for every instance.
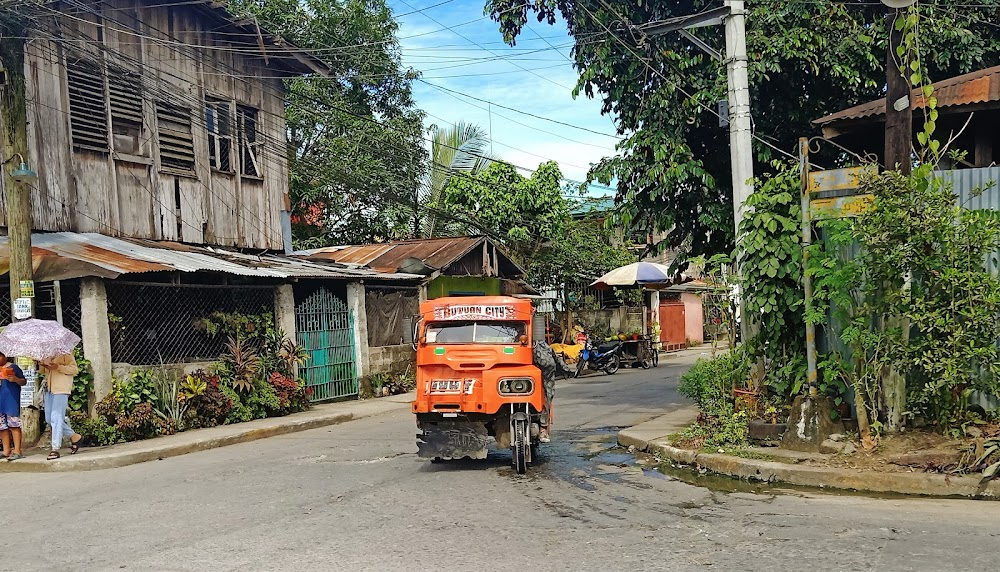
(96, 335)
(356, 304)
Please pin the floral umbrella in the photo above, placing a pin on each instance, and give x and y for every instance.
(37, 339)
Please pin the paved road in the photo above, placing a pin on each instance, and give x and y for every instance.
(355, 497)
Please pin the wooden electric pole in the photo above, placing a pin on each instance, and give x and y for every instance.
(898, 104)
(18, 194)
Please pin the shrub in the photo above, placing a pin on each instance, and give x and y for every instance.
(710, 383)
(129, 408)
(96, 431)
(208, 405)
(290, 392)
(258, 403)
(726, 429)
(83, 384)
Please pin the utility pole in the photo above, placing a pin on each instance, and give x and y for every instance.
(18, 192)
(740, 130)
(733, 14)
(898, 104)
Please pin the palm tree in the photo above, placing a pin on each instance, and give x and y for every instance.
(457, 149)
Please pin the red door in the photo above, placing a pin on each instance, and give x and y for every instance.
(672, 325)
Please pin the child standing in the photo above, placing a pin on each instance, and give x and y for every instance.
(11, 381)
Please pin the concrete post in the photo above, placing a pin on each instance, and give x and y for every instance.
(356, 303)
(284, 310)
(96, 335)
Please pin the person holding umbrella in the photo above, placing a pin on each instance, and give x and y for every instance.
(50, 344)
(59, 372)
(11, 381)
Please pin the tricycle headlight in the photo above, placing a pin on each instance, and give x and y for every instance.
(517, 386)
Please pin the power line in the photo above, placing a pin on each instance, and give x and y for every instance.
(411, 205)
(526, 113)
(490, 51)
(672, 83)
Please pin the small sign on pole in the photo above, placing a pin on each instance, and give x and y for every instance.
(27, 366)
(22, 308)
(27, 288)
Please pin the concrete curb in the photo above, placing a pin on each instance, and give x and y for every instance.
(204, 439)
(922, 484)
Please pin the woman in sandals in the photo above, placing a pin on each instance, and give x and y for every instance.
(59, 373)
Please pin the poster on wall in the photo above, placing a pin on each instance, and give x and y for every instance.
(27, 366)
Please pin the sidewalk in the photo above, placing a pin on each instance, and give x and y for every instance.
(653, 437)
(94, 458)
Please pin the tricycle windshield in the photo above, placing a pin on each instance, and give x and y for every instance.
(479, 332)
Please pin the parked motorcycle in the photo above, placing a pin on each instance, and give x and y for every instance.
(606, 356)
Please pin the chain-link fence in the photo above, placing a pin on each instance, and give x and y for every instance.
(164, 323)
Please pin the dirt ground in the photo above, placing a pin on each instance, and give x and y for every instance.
(911, 451)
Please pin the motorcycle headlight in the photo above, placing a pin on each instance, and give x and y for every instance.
(517, 386)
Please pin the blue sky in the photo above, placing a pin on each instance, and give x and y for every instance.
(534, 76)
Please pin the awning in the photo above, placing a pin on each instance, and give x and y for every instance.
(66, 255)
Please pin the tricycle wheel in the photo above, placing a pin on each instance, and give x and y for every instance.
(521, 446)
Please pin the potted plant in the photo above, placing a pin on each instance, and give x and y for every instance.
(746, 398)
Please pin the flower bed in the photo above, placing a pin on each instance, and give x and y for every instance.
(254, 379)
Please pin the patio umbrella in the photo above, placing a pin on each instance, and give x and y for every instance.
(37, 339)
(635, 274)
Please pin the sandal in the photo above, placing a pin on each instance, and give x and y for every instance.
(74, 446)
(53, 455)
(15, 457)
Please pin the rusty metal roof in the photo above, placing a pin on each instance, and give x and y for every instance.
(978, 87)
(436, 253)
(65, 255)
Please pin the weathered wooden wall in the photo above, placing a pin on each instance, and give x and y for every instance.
(177, 59)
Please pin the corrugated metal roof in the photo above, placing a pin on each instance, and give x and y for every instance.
(977, 87)
(437, 253)
(63, 255)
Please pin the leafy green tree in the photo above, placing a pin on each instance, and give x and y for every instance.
(807, 59)
(524, 213)
(456, 149)
(356, 140)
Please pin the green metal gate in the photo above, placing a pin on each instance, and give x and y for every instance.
(324, 326)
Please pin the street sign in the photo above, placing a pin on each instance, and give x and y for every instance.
(22, 308)
(27, 366)
(27, 288)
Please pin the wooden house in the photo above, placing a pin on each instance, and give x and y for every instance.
(158, 135)
(156, 121)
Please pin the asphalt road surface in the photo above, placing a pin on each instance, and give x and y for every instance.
(355, 497)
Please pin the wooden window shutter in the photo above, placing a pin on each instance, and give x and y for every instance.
(87, 110)
(173, 123)
(125, 95)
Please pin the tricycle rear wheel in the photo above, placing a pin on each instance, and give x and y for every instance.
(521, 446)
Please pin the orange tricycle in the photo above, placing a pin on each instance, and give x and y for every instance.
(476, 379)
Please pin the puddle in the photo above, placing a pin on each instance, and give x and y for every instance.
(613, 457)
(654, 474)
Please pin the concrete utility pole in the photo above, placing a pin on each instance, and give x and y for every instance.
(740, 130)
(898, 107)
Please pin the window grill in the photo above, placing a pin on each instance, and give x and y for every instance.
(246, 121)
(218, 122)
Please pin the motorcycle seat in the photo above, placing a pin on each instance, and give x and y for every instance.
(607, 347)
